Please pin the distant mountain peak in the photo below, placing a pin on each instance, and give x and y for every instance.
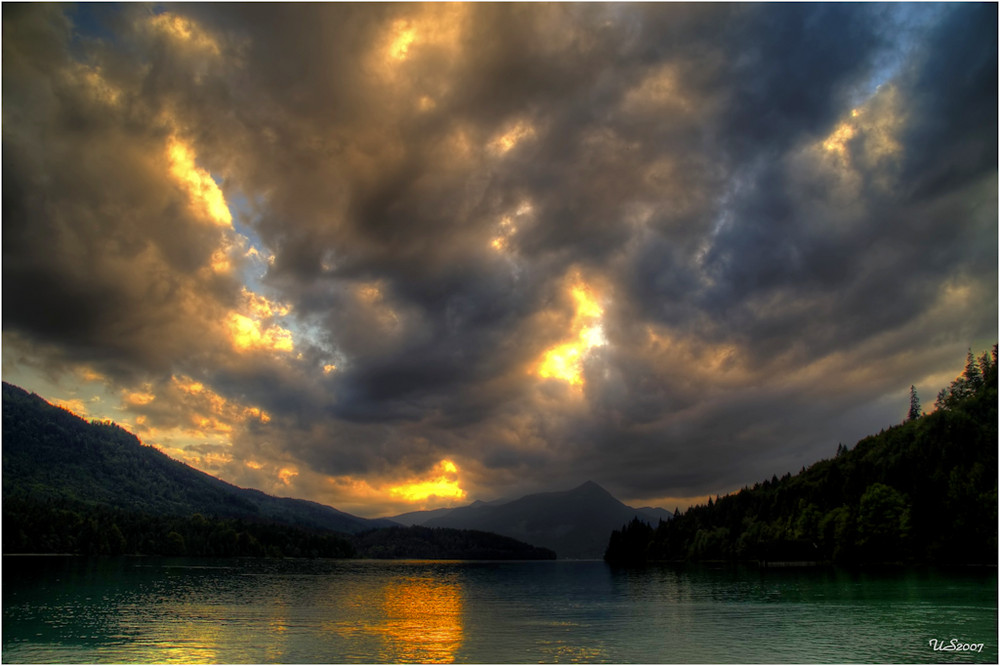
(590, 488)
(574, 523)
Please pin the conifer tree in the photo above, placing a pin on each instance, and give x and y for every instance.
(914, 404)
(942, 399)
(985, 364)
(973, 375)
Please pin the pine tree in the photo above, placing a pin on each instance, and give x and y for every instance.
(973, 375)
(985, 364)
(914, 404)
(942, 399)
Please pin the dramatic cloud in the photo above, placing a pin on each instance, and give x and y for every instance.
(392, 256)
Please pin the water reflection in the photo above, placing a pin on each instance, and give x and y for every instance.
(304, 611)
(422, 620)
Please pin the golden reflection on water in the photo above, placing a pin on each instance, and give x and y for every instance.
(422, 620)
(187, 639)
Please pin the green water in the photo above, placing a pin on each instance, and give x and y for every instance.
(78, 610)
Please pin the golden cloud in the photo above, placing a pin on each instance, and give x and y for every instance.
(511, 136)
(506, 230)
(206, 199)
(184, 412)
(434, 26)
(75, 405)
(184, 33)
(139, 397)
(286, 474)
(565, 360)
(254, 330)
(868, 136)
(97, 87)
(659, 92)
(370, 294)
(403, 35)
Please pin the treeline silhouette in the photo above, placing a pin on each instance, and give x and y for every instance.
(924, 491)
(67, 526)
(443, 543)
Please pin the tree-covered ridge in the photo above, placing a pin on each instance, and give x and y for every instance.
(66, 526)
(442, 543)
(924, 491)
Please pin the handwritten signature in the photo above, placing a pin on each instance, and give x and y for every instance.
(955, 645)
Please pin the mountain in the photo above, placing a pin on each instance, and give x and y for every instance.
(574, 523)
(419, 517)
(422, 517)
(654, 515)
(51, 455)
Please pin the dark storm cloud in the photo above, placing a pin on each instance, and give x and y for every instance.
(431, 179)
(952, 85)
(99, 255)
(878, 270)
(792, 70)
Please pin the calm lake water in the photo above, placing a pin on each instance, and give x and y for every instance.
(79, 610)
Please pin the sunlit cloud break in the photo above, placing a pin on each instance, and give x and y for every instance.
(565, 360)
(442, 484)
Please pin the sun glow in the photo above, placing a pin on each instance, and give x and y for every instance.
(443, 484)
(565, 360)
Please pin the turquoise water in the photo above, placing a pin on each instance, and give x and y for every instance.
(127, 610)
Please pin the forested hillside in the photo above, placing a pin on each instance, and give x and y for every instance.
(67, 526)
(924, 491)
(52, 456)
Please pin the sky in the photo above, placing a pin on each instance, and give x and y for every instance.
(392, 257)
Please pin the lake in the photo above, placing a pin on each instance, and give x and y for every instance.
(156, 610)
